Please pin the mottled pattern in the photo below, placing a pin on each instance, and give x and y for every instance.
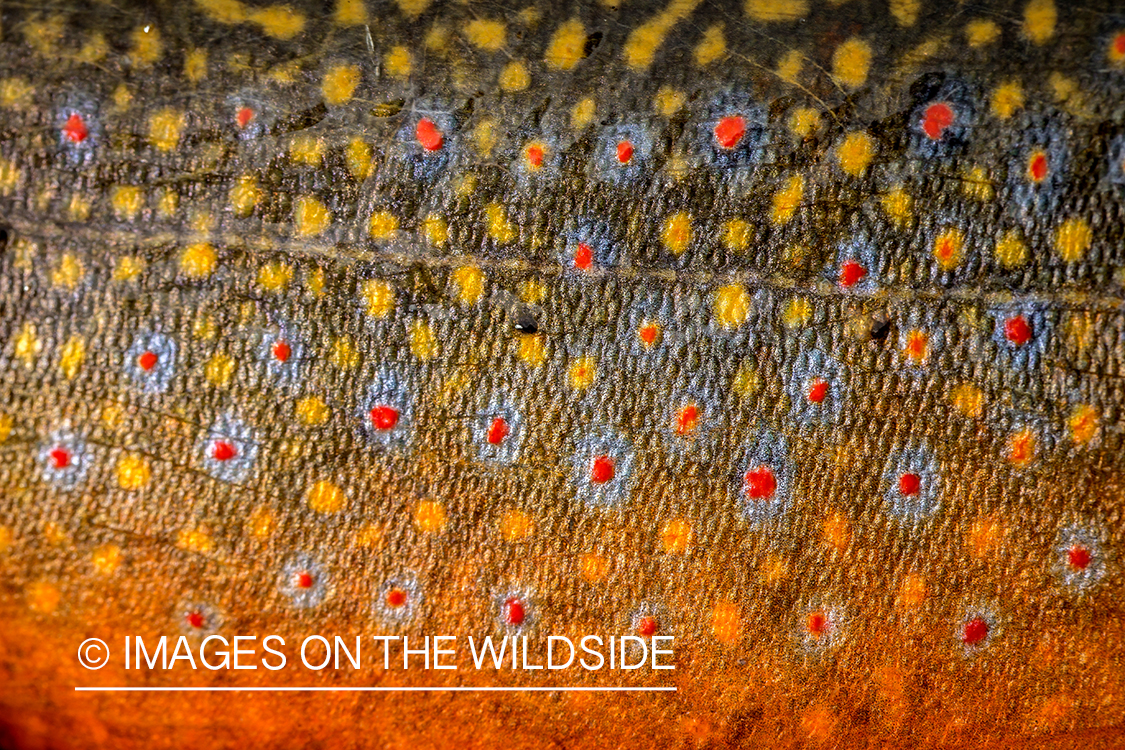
(793, 330)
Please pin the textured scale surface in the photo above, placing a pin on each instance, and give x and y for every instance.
(791, 329)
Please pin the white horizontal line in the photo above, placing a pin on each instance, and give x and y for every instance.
(375, 689)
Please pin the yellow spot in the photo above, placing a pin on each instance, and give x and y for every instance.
(1072, 239)
(312, 411)
(855, 153)
(383, 225)
(278, 21)
(516, 525)
(788, 70)
(369, 535)
(1011, 251)
(906, 11)
(219, 370)
(15, 93)
(1007, 99)
(68, 273)
(325, 497)
(311, 216)
(532, 349)
(976, 184)
(397, 62)
(73, 355)
(981, 33)
(223, 11)
(486, 34)
(422, 342)
(737, 234)
(533, 291)
(726, 621)
(195, 540)
(983, 537)
(469, 281)
(106, 558)
(669, 101)
(147, 47)
(677, 233)
(169, 200)
(836, 532)
(675, 535)
(797, 313)
(350, 13)
(499, 228)
(122, 97)
(819, 723)
(164, 129)
(198, 260)
(968, 400)
(774, 569)
(851, 62)
(261, 522)
(79, 208)
(746, 381)
(1116, 53)
(567, 47)
(947, 248)
(244, 196)
(344, 355)
(94, 50)
(912, 591)
(195, 65)
(358, 154)
(646, 39)
(429, 516)
(514, 77)
(306, 149)
(413, 8)
(592, 567)
(340, 83)
(769, 11)
(582, 114)
(6, 424)
(43, 597)
(55, 534)
(1021, 448)
(787, 199)
(127, 201)
(435, 230)
(1039, 19)
(732, 305)
(917, 347)
(897, 204)
(27, 345)
(712, 47)
(582, 373)
(275, 276)
(1083, 423)
(133, 472)
(9, 176)
(202, 220)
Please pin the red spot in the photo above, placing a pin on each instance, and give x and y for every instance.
(244, 116)
(535, 156)
(624, 152)
(909, 484)
(646, 627)
(428, 135)
(583, 257)
(75, 128)
(396, 598)
(936, 119)
(818, 391)
(514, 612)
(303, 580)
(851, 272)
(221, 450)
(687, 419)
(729, 131)
(1119, 44)
(1078, 557)
(817, 623)
(147, 361)
(281, 351)
(60, 457)
(648, 333)
(601, 469)
(1017, 330)
(498, 431)
(760, 483)
(195, 619)
(384, 417)
(1037, 167)
(974, 631)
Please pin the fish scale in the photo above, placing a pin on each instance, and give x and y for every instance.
(791, 331)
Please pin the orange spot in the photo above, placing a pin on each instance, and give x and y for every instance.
(730, 130)
(687, 419)
(1021, 448)
(428, 135)
(535, 156)
(624, 152)
(917, 346)
(648, 333)
(244, 116)
(1037, 167)
(726, 621)
(912, 592)
(936, 119)
(675, 536)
